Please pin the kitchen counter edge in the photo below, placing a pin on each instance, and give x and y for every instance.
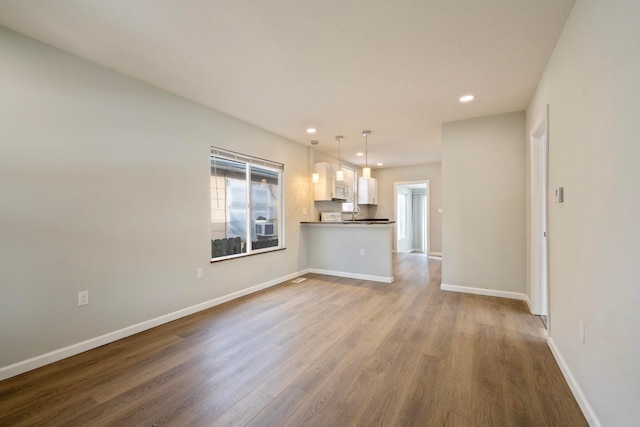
(347, 222)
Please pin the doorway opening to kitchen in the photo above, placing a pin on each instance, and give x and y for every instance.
(412, 217)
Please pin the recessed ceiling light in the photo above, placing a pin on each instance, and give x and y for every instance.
(466, 98)
(379, 164)
(311, 130)
(359, 154)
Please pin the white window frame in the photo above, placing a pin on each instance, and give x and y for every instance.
(347, 207)
(265, 164)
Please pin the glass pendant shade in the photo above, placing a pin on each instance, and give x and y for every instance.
(366, 172)
(315, 178)
(340, 175)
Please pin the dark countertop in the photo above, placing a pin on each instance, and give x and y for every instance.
(358, 222)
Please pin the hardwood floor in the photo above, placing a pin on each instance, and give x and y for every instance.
(325, 352)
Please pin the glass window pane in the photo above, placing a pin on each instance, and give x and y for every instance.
(228, 207)
(246, 204)
(401, 220)
(265, 207)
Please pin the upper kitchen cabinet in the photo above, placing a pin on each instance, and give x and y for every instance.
(328, 187)
(367, 191)
(350, 181)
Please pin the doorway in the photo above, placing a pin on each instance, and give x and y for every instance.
(539, 217)
(412, 217)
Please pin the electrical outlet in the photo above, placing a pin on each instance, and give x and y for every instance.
(581, 331)
(362, 252)
(199, 273)
(83, 297)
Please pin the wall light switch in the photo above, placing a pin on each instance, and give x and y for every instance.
(560, 194)
(199, 273)
(83, 297)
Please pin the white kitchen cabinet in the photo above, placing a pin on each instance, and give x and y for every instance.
(350, 182)
(328, 187)
(367, 191)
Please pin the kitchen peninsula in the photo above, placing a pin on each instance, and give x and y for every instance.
(355, 249)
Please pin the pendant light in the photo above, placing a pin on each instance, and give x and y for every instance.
(366, 170)
(340, 173)
(315, 178)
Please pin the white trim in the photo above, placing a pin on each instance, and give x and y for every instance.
(528, 301)
(584, 404)
(62, 353)
(486, 292)
(539, 215)
(352, 275)
(427, 213)
(436, 254)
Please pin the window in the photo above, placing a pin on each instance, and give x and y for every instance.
(350, 178)
(246, 205)
(401, 218)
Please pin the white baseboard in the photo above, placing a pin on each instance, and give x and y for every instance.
(528, 301)
(438, 254)
(62, 353)
(352, 275)
(483, 291)
(584, 404)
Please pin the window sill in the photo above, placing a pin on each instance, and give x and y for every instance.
(239, 256)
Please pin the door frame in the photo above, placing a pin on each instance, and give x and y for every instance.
(539, 198)
(427, 219)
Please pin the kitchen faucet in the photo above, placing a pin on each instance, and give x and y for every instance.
(356, 211)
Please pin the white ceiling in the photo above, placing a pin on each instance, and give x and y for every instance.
(342, 66)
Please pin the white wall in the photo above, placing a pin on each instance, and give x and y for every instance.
(431, 172)
(104, 186)
(592, 86)
(483, 183)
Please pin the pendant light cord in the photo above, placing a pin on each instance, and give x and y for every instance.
(339, 139)
(366, 150)
(366, 172)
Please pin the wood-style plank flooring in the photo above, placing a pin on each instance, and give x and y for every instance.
(325, 352)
